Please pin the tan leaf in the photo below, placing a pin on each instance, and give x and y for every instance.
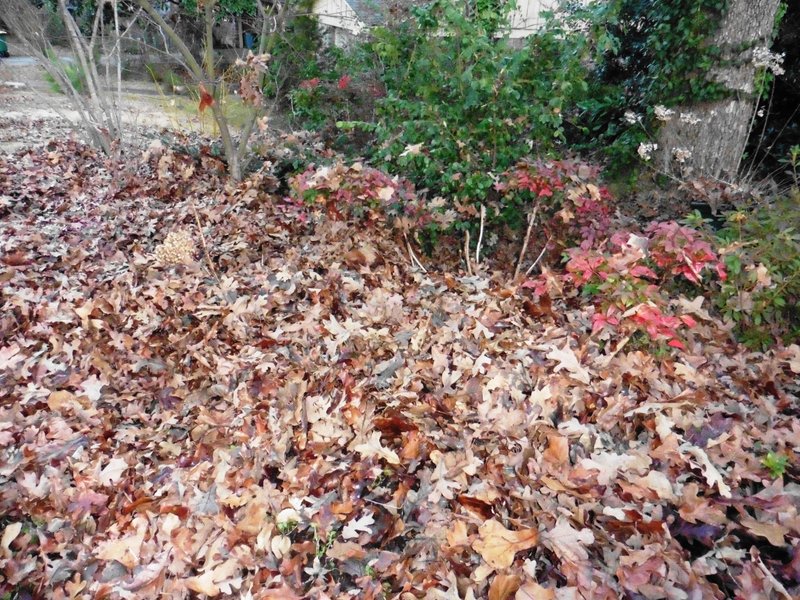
(125, 550)
(203, 584)
(255, 517)
(710, 472)
(92, 388)
(569, 543)
(557, 449)
(113, 471)
(567, 359)
(386, 193)
(345, 550)
(658, 482)
(59, 399)
(503, 586)
(282, 593)
(280, 545)
(373, 448)
(498, 545)
(533, 591)
(457, 534)
(608, 464)
(10, 533)
(774, 532)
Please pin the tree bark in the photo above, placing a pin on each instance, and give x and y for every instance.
(718, 140)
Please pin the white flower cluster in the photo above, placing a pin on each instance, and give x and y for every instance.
(690, 118)
(681, 154)
(646, 150)
(763, 57)
(631, 118)
(663, 113)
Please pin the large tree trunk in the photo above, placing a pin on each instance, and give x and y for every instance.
(718, 139)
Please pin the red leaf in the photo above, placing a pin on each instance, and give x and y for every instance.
(206, 99)
(344, 81)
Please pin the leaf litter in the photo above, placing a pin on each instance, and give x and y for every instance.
(288, 409)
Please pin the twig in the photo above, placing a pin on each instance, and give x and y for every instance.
(538, 258)
(466, 252)
(480, 237)
(412, 256)
(524, 249)
(203, 241)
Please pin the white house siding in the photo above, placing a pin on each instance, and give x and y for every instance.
(337, 17)
(338, 14)
(526, 18)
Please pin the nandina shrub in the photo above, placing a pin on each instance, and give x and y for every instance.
(359, 192)
(631, 278)
(680, 250)
(574, 207)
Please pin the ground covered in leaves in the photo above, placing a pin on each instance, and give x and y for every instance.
(297, 412)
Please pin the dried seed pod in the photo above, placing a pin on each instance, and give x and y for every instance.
(177, 249)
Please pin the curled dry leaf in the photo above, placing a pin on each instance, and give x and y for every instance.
(567, 542)
(503, 586)
(534, 591)
(373, 448)
(498, 545)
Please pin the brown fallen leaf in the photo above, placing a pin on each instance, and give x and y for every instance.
(345, 550)
(203, 584)
(498, 545)
(534, 591)
(59, 399)
(774, 532)
(457, 534)
(567, 542)
(503, 586)
(557, 449)
(16, 259)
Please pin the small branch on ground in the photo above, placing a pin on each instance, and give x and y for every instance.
(538, 258)
(466, 252)
(524, 249)
(480, 237)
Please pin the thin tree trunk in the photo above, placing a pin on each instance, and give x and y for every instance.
(718, 140)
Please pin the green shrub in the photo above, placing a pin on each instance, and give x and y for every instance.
(463, 105)
(164, 75)
(761, 249)
(74, 73)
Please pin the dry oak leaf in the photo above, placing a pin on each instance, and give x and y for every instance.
(113, 471)
(503, 586)
(567, 360)
(774, 532)
(457, 535)
(498, 545)
(569, 543)
(373, 448)
(557, 449)
(534, 591)
(203, 584)
(346, 550)
(126, 550)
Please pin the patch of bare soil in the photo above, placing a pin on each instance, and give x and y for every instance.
(31, 113)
